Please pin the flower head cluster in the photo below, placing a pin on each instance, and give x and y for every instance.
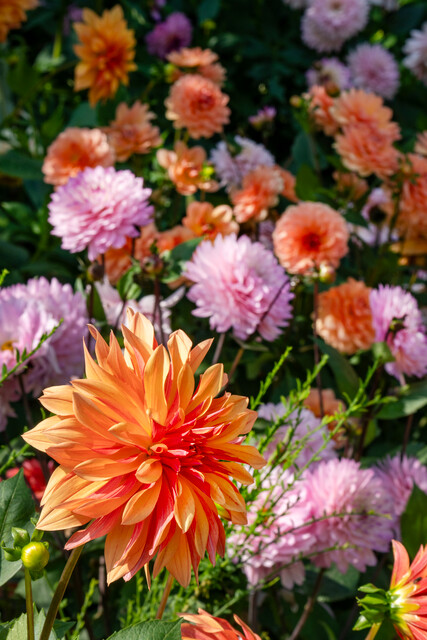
(397, 321)
(197, 104)
(98, 209)
(206, 627)
(131, 131)
(239, 285)
(416, 53)
(171, 35)
(327, 24)
(12, 15)
(260, 191)
(374, 68)
(203, 219)
(149, 471)
(233, 162)
(73, 150)
(187, 168)
(106, 51)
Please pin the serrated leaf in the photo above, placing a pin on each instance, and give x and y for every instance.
(16, 509)
(414, 521)
(152, 630)
(19, 629)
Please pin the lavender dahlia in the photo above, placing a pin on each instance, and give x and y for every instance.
(375, 69)
(231, 168)
(327, 24)
(330, 73)
(171, 35)
(99, 209)
(399, 474)
(239, 285)
(415, 49)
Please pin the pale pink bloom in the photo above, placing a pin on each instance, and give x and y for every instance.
(327, 24)
(239, 285)
(415, 49)
(399, 475)
(375, 69)
(397, 320)
(99, 209)
(263, 116)
(329, 73)
(348, 494)
(233, 162)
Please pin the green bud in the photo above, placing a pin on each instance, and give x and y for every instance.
(35, 556)
(37, 535)
(21, 537)
(12, 555)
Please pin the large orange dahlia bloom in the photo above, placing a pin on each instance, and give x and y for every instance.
(106, 52)
(207, 627)
(145, 454)
(12, 14)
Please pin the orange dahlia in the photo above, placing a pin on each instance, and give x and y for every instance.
(360, 107)
(132, 132)
(367, 151)
(201, 61)
(344, 318)
(289, 184)
(12, 14)
(310, 236)
(207, 627)
(74, 150)
(106, 51)
(421, 144)
(331, 404)
(118, 261)
(320, 110)
(203, 219)
(197, 104)
(350, 185)
(260, 191)
(412, 219)
(145, 454)
(187, 168)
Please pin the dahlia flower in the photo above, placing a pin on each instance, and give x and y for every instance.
(350, 185)
(331, 404)
(203, 219)
(421, 143)
(327, 24)
(309, 235)
(342, 487)
(206, 627)
(415, 49)
(375, 69)
(399, 474)
(187, 168)
(73, 150)
(12, 14)
(106, 51)
(262, 117)
(412, 221)
(398, 321)
(132, 132)
(367, 151)
(98, 209)
(197, 104)
(239, 285)
(330, 73)
(289, 184)
(201, 61)
(145, 454)
(118, 261)
(360, 107)
(172, 34)
(320, 110)
(260, 192)
(344, 317)
(231, 167)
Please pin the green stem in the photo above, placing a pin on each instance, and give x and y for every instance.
(59, 592)
(373, 631)
(29, 604)
(165, 596)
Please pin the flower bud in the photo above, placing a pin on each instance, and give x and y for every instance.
(20, 537)
(35, 556)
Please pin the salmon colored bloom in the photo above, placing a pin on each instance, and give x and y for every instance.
(203, 219)
(289, 184)
(201, 61)
(187, 168)
(197, 104)
(331, 404)
(106, 51)
(345, 318)
(146, 454)
(74, 150)
(360, 107)
(412, 220)
(309, 236)
(171, 238)
(118, 261)
(320, 110)
(12, 14)
(367, 150)
(260, 191)
(132, 132)
(421, 144)
(207, 627)
(350, 185)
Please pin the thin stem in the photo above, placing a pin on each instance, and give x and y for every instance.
(219, 346)
(369, 413)
(59, 592)
(29, 604)
(165, 596)
(373, 631)
(316, 346)
(235, 364)
(308, 607)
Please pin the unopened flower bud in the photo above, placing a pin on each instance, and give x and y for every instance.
(326, 273)
(35, 556)
(20, 537)
(296, 102)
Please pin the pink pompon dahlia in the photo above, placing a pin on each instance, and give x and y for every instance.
(399, 475)
(397, 320)
(99, 209)
(330, 73)
(375, 69)
(416, 53)
(358, 506)
(239, 285)
(327, 24)
(171, 35)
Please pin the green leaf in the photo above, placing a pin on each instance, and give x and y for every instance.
(19, 629)
(307, 184)
(414, 521)
(382, 352)
(208, 10)
(412, 399)
(83, 116)
(16, 509)
(18, 164)
(12, 257)
(178, 257)
(152, 630)
(345, 376)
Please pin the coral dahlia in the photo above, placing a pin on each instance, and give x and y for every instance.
(206, 627)
(12, 14)
(145, 454)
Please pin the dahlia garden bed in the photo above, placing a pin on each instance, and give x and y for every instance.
(213, 291)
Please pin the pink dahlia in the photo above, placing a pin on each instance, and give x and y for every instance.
(171, 35)
(397, 320)
(262, 117)
(399, 474)
(239, 285)
(330, 73)
(415, 49)
(302, 431)
(275, 536)
(359, 507)
(327, 24)
(234, 161)
(375, 69)
(99, 209)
